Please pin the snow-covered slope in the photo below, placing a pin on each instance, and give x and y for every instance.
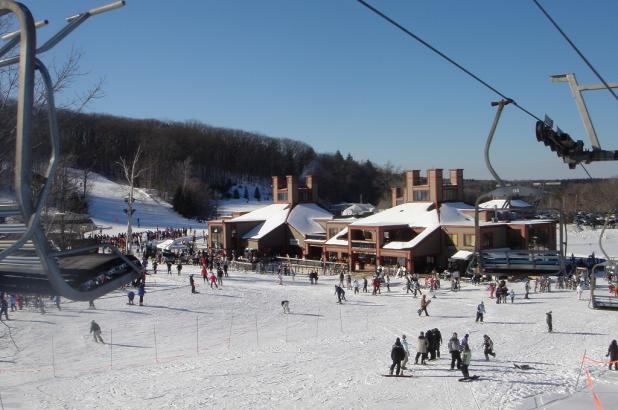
(106, 207)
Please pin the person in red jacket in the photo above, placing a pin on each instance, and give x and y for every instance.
(204, 273)
(376, 286)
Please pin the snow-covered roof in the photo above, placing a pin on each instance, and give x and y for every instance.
(415, 241)
(462, 255)
(303, 216)
(450, 214)
(335, 239)
(417, 214)
(504, 204)
(271, 217)
(358, 209)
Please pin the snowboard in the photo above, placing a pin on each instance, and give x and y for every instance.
(394, 375)
(469, 379)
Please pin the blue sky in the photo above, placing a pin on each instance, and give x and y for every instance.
(334, 75)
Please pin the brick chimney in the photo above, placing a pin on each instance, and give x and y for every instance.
(292, 186)
(313, 186)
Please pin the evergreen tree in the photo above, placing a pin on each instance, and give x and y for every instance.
(236, 194)
(256, 194)
(246, 193)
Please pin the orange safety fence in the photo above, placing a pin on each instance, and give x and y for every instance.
(589, 381)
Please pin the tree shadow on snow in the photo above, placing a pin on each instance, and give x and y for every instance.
(173, 308)
(581, 333)
(305, 314)
(123, 345)
(510, 323)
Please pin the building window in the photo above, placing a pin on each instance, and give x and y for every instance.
(332, 232)
(453, 238)
(449, 195)
(422, 195)
(282, 196)
(469, 240)
(488, 240)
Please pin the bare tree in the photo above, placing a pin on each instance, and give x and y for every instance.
(131, 171)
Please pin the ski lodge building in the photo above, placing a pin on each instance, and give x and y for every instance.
(429, 224)
(293, 224)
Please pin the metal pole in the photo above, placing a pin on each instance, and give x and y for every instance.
(53, 356)
(580, 369)
(490, 137)
(154, 331)
(111, 344)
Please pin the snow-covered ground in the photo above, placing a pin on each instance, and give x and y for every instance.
(106, 206)
(583, 241)
(234, 348)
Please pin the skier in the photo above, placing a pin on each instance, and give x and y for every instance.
(579, 291)
(480, 311)
(57, 302)
(464, 341)
(397, 355)
(438, 341)
(356, 286)
(527, 288)
(13, 301)
(179, 267)
(424, 304)
(213, 281)
(225, 268)
(488, 347)
(141, 292)
(388, 283)
(285, 304)
(204, 273)
(340, 294)
(467, 357)
(192, 283)
(131, 296)
(219, 276)
(453, 348)
(421, 349)
(349, 281)
(155, 264)
(4, 308)
(365, 285)
(548, 319)
(612, 352)
(376, 286)
(404, 343)
(341, 277)
(512, 295)
(90, 305)
(169, 267)
(95, 329)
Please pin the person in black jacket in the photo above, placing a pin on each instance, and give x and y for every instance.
(95, 329)
(397, 355)
(612, 352)
(192, 283)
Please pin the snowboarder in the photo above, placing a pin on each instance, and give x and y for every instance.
(141, 291)
(612, 352)
(95, 329)
(285, 304)
(397, 355)
(467, 357)
(404, 343)
(340, 294)
(488, 347)
(424, 304)
(192, 283)
(131, 296)
(421, 349)
(480, 311)
(454, 348)
(548, 319)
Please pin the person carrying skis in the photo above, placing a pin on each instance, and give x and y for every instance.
(424, 304)
(95, 329)
(454, 348)
(404, 343)
(340, 294)
(480, 311)
(612, 352)
(465, 361)
(397, 355)
(488, 347)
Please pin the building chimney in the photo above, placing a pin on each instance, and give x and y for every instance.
(292, 186)
(275, 186)
(434, 179)
(313, 186)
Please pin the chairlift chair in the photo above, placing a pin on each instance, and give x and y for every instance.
(28, 264)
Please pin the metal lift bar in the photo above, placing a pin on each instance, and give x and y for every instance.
(13, 38)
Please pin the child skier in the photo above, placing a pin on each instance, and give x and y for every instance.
(488, 347)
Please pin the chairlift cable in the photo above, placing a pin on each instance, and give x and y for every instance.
(576, 49)
(444, 56)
